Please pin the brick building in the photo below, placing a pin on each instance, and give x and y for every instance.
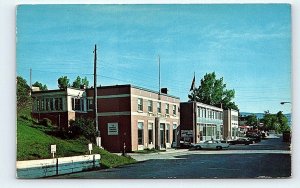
(60, 106)
(128, 115)
(231, 123)
(139, 117)
(199, 122)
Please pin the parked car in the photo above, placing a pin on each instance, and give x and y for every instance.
(255, 138)
(210, 144)
(245, 141)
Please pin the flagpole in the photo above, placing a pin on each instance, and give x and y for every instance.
(194, 111)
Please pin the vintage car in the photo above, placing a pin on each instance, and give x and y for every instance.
(245, 141)
(210, 144)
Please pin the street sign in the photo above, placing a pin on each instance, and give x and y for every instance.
(53, 148)
(90, 147)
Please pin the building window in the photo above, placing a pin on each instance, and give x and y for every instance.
(48, 104)
(150, 133)
(198, 111)
(42, 104)
(168, 133)
(204, 130)
(140, 104)
(167, 108)
(158, 107)
(150, 106)
(140, 133)
(38, 105)
(58, 104)
(174, 110)
(76, 104)
(90, 104)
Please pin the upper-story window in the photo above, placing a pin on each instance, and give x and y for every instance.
(198, 112)
(140, 104)
(167, 109)
(90, 104)
(78, 104)
(174, 109)
(158, 107)
(150, 106)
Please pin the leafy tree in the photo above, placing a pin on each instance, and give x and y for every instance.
(40, 85)
(252, 120)
(213, 91)
(277, 122)
(83, 127)
(63, 82)
(79, 82)
(23, 93)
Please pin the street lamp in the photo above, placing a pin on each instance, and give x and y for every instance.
(282, 103)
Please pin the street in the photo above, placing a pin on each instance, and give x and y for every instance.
(268, 159)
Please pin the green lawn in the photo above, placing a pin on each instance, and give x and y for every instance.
(34, 140)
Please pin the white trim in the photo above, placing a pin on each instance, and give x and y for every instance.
(140, 121)
(155, 100)
(150, 121)
(110, 96)
(125, 113)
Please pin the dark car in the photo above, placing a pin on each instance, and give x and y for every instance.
(255, 138)
(245, 141)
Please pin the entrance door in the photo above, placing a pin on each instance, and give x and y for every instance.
(162, 135)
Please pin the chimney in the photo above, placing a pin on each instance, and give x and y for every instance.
(164, 90)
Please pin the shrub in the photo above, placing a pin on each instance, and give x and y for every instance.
(46, 122)
(83, 127)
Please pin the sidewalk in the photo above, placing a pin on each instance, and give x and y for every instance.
(168, 151)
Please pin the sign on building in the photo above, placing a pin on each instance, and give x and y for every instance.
(112, 129)
(187, 133)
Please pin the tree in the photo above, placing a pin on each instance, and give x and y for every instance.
(252, 120)
(40, 85)
(277, 122)
(63, 82)
(23, 93)
(213, 91)
(78, 82)
(83, 127)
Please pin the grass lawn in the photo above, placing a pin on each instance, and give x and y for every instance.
(34, 140)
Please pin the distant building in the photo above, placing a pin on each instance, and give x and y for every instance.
(199, 122)
(231, 122)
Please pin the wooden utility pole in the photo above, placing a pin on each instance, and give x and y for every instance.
(158, 77)
(95, 96)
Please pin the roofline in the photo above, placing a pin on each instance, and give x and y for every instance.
(189, 102)
(56, 90)
(136, 87)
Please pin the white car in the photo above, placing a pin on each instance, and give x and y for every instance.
(210, 144)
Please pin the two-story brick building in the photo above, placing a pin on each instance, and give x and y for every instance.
(127, 115)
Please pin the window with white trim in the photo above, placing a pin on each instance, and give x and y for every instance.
(167, 108)
(174, 110)
(150, 106)
(150, 133)
(140, 104)
(158, 107)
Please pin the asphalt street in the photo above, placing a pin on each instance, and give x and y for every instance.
(270, 158)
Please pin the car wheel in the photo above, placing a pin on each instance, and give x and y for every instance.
(219, 147)
(198, 147)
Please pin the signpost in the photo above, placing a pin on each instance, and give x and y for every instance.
(53, 150)
(90, 148)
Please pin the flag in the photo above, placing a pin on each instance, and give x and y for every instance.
(193, 84)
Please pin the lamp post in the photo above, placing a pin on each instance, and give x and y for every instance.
(282, 103)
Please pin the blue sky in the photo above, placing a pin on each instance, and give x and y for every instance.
(248, 45)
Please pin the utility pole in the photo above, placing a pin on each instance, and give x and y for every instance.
(98, 138)
(158, 77)
(30, 81)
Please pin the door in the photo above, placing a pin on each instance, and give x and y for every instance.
(162, 135)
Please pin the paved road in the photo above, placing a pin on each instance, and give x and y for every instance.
(267, 159)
